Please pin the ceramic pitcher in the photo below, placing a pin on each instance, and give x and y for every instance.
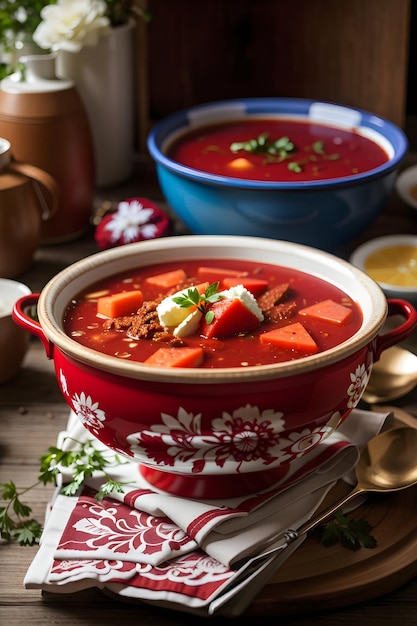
(47, 125)
(29, 197)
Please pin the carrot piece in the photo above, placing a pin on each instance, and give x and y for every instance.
(167, 279)
(240, 164)
(329, 311)
(230, 318)
(256, 286)
(119, 304)
(177, 357)
(214, 274)
(293, 336)
(202, 287)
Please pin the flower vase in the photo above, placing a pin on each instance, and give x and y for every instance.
(104, 77)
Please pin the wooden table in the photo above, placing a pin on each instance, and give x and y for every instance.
(32, 412)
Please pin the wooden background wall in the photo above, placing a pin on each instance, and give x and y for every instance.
(355, 52)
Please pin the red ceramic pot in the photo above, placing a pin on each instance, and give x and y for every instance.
(214, 432)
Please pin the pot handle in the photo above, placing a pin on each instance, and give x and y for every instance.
(22, 319)
(401, 332)
(46, 187)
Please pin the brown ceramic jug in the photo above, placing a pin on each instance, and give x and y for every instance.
(47, 125)
(28, 197)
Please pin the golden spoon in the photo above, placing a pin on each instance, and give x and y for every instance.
(388, 462)
(393, 376)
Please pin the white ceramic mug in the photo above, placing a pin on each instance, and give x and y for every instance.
(14, 340)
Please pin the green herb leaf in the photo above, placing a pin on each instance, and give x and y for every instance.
(352, 534)
(262, 145)
(28, 533)
(318, 147)
(108, 488)
(212, 291)
(9, 490)
(192, 297)
(276, 151)
(16, 523)
(17, 527)
(295, 167)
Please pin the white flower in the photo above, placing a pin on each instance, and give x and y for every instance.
(71, 24)
(130, 220)
(88, 411)
(359, 381)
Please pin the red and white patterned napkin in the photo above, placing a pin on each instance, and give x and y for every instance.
(201, 556)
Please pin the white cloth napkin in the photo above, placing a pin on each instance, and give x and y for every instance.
(200, 556)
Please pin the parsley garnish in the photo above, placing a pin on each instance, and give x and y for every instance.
(282, 149)
(16, 523)
(192, 297)
(352, 534)
(279, 149)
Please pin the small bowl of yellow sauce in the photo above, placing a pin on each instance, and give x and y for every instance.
(392, 262)
(406, 186)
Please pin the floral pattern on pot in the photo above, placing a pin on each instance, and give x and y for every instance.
(246, 439)
(359, 380)
(237, 442)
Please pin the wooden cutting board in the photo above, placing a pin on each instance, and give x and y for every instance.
(335, 576)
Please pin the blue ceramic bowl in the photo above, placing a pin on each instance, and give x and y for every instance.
(326, 214)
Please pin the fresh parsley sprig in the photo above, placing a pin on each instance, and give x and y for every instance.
(276, 151)
(16, 523)
(279, 148)
(192, 297)
(352, 534)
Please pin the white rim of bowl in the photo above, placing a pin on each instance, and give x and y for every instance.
(57, 293)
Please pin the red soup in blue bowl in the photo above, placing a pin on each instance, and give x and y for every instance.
(310, 172)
